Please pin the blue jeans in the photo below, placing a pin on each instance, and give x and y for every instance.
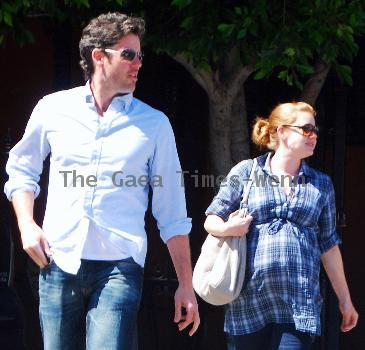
(105, 294)
(275, 336)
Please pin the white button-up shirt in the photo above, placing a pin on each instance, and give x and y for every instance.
(101, 169)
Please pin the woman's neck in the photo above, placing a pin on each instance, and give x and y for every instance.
(283, 163)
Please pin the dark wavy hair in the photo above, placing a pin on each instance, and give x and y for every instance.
(105, 31)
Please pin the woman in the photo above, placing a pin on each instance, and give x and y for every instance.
(290, 229)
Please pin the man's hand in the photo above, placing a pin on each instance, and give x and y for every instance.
(184, 297)
(349, 316)
(34, 242)
(185, 300)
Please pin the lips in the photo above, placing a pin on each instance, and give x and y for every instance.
(133, 77)
(312, 145)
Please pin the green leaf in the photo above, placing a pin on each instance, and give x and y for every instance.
(8, 19)
(307, 52)
(290, 52)
(305, 69)
(226, 29)
(8, 7)
(353, 20)
(238, 11)
(318, 38)
(289, 80)
(187, 23)
(81, 3)
(262, 73)
(283, 74)
(181, 3)
(344, 73)
(241, 34)
(205, 66)
(298, 84)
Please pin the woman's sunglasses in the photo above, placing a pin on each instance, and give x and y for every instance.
(127, 54)
(308, 129)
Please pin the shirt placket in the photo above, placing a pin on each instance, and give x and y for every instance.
(281, 200)
(96, 152)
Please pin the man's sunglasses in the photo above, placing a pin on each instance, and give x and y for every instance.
(127, 53)
(308, 129)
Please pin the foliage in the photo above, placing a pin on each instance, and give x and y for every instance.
(14, 14)
(284, 38)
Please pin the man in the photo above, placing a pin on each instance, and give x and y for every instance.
(106, 149)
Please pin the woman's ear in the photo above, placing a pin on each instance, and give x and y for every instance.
(280, 131)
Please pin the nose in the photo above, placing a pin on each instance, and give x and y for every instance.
(136, 63)
(137, 59)
(313, 135)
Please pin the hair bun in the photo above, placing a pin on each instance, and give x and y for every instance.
(261, 132)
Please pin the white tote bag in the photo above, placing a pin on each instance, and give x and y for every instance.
(220, 270)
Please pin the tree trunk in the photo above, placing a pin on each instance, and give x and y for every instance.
(228, 131)
(314, 85)
(240, 138)
(220, 136)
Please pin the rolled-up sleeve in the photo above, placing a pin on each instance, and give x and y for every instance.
(230, 192)
(168, 201)
(328, 236)
(25, 162)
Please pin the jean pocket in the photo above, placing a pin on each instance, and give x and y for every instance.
(129, 266)
(50, 263)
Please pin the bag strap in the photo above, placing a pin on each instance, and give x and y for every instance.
(244, 201)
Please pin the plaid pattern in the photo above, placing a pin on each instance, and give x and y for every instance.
(284, 245)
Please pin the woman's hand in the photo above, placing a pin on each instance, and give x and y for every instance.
(237, 225)
(349, 316)
(332, 262)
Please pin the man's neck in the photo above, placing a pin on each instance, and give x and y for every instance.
(102, 96)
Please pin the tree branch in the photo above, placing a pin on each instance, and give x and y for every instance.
(314, 84)
(231, 62)
(201, 77)
(239, 78)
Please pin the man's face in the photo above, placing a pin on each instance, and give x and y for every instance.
(120, 72)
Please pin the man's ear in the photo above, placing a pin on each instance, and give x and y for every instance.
(98, 56)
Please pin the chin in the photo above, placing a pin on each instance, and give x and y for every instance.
(127, 89)
(308, 154)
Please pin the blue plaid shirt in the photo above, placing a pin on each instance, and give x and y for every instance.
(284, 246)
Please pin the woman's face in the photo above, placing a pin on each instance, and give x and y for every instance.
(293, 137)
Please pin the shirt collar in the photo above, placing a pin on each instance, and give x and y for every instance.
(119, 102)
(264, 162)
